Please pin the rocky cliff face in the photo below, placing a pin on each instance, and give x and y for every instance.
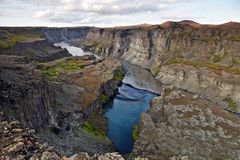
(141, 44)
(65, 34)
(40, 50)
(203, 59)
(25, 95)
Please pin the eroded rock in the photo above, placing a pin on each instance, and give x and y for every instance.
(180, 126)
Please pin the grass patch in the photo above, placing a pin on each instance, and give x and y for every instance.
(155, 68)
(96, 125)
(208, 39)
(118, 75)
(231, 104)
(68, 65)
(9, 39)
(234, 38)
(135, 133)
(216, 59)
(212, 66)
(95, 47)
(104, 98)
(236, 60)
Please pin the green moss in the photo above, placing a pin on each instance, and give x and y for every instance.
(96, 125)
(118, 75)
(104, 98)
(232, 105)
(234, 38)
(135, 133)
(91, 128)
(53, 71)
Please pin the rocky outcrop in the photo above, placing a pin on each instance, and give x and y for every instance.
(215, 85)
(39, 50)
(140, 78)
(19, 143)
(181, 124)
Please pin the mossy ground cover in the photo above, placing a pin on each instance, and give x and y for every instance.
(96, 125)
(52, 71)
(234, 38)
(231, 104)
(135, 133)
(212, 66)
(9, 39)
(104, 98)
(118, 75)
(95, 46)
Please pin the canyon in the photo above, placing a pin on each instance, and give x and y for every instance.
(52, 103)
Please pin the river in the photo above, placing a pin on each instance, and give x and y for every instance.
(75, 51)
(123, 113)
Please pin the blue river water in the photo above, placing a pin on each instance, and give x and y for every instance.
(123, 113)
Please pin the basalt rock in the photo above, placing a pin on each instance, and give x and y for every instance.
(25, 94)
(181, 125)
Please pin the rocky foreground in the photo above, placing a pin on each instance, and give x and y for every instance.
(183, 125)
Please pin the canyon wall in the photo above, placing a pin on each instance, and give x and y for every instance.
(25, 94)
(38, 50)
(203, 59)
(64, 34)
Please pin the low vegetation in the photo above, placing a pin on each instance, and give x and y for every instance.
(208, 39)
(104, 98)
(9, 39)
(96, 125)
(135, 133)
(118, 75)
(234, 38)
(155, 68)
(232, 105)
(216, 59)
(52, 71)
(212, 66)
(94, 46)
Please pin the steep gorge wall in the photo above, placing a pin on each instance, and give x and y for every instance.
(203, 59)
(39, 50)
(25, 95)
(142, 45)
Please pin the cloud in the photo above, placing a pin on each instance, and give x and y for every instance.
(87, 12)
(92, 11)
(43, 14)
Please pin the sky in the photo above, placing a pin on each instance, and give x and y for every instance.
(108, 13)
